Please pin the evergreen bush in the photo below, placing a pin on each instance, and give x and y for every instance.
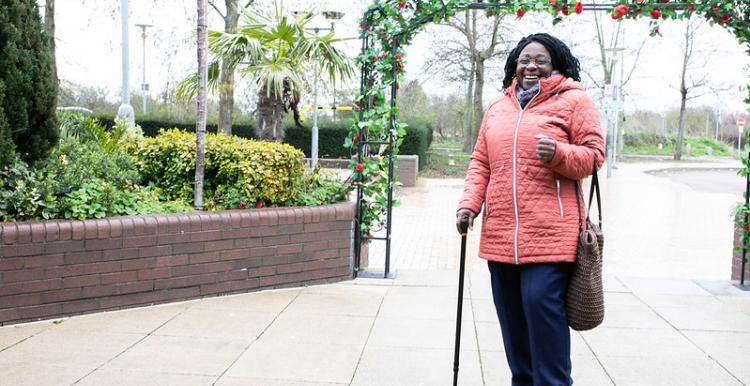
(28, 88)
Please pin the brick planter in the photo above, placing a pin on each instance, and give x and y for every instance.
(57, 268)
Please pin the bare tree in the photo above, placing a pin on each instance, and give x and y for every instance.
(200, 116)
(231, 18)
(470, 58)
(49, 29)
(688, 84)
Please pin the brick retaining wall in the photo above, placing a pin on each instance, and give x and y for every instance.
(58, 268)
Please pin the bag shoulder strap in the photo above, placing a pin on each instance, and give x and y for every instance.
(579, 198)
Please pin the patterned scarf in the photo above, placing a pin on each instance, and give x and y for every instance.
(524, 96)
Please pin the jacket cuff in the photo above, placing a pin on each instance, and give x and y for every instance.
(561, 150)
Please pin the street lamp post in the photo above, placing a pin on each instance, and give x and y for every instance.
(144, 85)
(125, 112)
(333, 17)
(614, 111)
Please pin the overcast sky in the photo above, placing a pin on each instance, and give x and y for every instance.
(89, 36)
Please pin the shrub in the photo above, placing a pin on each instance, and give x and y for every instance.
(235, 168)
(28, 88)
(23, 196)
(98, 199)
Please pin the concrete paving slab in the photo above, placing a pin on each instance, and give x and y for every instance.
(613, 284)
(495, 368)
(632, 316)
(721, 317)
(143, 378)
(421, 303)
(729, 348)
(137, 321)
(420, 333)
(180, 355)
(489, 336)
(341, 303)
(677, 371)
(10, 335)
(71, 349)
(313, 362)
(587, 371)
(272, 301)
(439, 278)
(245, 381)
(663, 286)
(642, 343)
(293, 329)
(36, 374)
(657, 301)
(242, 326)
(484, 310)
(415, 367)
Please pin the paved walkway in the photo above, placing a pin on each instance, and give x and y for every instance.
(673, 318)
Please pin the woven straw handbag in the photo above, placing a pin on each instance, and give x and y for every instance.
(585, 297)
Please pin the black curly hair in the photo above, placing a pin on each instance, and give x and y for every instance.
(562, 59)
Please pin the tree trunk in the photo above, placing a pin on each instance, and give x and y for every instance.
(469, 122)
(683, 92)
(478, 113)
(270, 116)
(226, 79)
(681, 123)
(49, 28)
(200, 115)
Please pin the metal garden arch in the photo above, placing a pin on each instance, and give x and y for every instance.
(389, 25)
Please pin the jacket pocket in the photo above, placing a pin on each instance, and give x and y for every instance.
(559, 199)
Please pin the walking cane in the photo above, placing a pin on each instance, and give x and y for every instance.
(464, 227)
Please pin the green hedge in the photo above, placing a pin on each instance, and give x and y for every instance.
(151, 127)
(236, 169)
(331, 140)
(331, 135)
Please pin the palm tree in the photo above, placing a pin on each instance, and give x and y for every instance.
(272, 52)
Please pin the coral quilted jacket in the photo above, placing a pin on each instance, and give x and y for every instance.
(530, 212)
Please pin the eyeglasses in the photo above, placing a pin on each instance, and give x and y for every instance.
(539, 62)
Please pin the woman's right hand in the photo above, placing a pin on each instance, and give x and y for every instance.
(461, 213)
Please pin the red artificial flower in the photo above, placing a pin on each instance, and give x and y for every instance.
(639, 1)
(639, 11)
(655, 13)
(398, 15)
(398, 57)
(383, 55)
(375, 58)
(520, 13)
(242, 205)
(665, 1)
(616, 15)
(656, 31)
(691, 8)
(490, 13)
(382, 32)
(355, 137)
(565, 10)
(578, 8)
(360, 167)
(401, 5)
(715, 7)
(725, 18)
(621, 9)
(746, 227)
(258, 204)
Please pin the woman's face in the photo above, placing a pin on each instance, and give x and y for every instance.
(533, 63)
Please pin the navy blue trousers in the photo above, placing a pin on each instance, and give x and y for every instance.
(530, 304)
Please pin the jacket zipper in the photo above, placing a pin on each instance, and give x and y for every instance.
(559, 200)
(515, 193)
